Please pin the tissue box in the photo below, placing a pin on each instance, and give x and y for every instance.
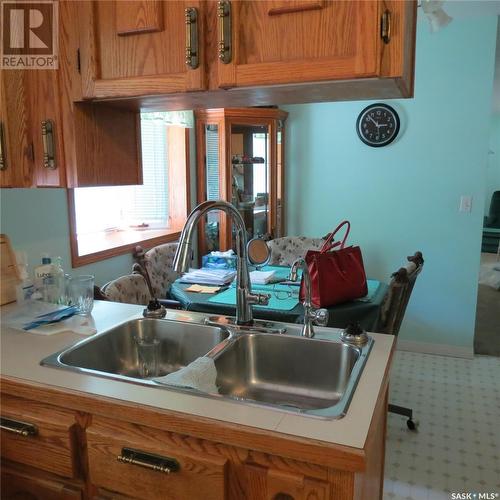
(213, 262)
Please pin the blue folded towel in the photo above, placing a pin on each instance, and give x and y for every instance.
(51, 317)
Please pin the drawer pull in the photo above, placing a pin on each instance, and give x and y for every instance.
(191, 15)
(49, 157)
(224, 15)
(148, 460)
(16, 427)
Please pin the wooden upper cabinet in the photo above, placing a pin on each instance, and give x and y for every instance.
(132, 48)
(17, 149)
(31, 129)
(295, 41)
(268, 48)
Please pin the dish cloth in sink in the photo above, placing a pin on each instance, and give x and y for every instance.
(201, 375)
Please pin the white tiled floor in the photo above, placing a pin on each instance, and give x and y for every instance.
(457, 446)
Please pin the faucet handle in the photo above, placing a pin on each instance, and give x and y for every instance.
(320, 316)
(260, 299)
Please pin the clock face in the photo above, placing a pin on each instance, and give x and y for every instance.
(378, 125)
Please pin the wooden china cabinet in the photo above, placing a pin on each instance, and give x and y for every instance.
(240, 158)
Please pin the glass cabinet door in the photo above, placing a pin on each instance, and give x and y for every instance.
(280, 188)
(213, 192)
(251, 177)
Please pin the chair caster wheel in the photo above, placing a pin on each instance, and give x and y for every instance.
(412, 425)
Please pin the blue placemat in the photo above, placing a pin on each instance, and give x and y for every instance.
(228, 297)
(372, 290)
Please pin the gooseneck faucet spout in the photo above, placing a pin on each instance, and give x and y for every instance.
(244, 296)
(319, 316)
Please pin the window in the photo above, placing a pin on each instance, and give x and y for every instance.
(110, 220)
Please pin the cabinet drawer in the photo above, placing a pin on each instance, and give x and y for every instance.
(201, 473)
(49, 442)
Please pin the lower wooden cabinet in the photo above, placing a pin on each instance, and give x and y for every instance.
(57, 445)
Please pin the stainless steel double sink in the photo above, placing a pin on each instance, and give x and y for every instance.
(314, 377)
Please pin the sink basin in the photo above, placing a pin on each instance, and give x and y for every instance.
(294, 373)
(314, 377)
(115, 352)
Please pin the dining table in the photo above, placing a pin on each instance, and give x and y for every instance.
(284, 304)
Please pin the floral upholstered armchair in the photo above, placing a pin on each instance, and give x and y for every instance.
(289, 248)
(158, 262)
(130, 289)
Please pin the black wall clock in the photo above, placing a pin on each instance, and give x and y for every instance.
(378, 125)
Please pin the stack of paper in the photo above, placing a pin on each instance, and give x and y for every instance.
(204, 276)
(261, 277)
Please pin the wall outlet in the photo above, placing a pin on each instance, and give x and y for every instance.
(465, 203)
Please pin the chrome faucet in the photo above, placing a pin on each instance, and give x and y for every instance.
(244, 296)
(318, 316)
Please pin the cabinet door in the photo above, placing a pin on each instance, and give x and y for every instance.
(17, 148)
(46, 128)
(19, 483)
(131, 48)
(295, 41)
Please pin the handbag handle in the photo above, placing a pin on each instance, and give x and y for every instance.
(328, 245)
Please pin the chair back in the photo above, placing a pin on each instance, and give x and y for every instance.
(397, 298)
(284, 251)
(159, 263)
(493, 218)
(129, 289)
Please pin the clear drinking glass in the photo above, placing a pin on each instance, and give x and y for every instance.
(149, 357)
(81, 291)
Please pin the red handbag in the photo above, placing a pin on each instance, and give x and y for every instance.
(336, 276)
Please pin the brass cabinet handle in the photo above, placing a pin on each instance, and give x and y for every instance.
(148, 460)
(385, 26)
(3, 160)
(49, 156)
(17, 427)
(224, 15)
(192, 56)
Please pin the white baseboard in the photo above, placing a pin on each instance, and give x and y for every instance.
(439, 349)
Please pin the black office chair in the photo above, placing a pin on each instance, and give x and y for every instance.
(492, 220)
(393, 310)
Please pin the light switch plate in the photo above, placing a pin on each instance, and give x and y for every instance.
(465, 203)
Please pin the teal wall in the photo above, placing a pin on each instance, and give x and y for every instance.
(36, 221)
(493, 166)
(405, 197)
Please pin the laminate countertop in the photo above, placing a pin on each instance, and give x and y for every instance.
(21, 353)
